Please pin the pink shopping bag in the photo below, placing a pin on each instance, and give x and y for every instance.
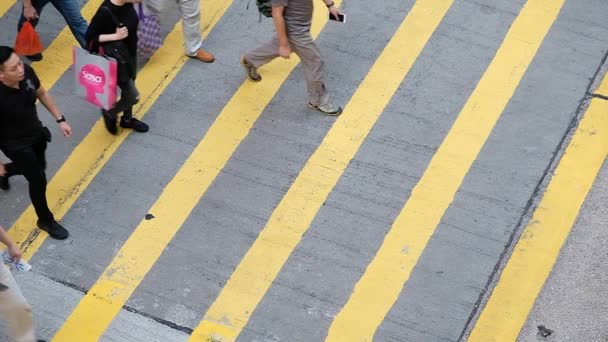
(95, 77)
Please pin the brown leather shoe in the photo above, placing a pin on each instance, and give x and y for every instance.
(203, 56)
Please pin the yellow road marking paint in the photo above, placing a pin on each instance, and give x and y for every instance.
(107, 296)
(384, 278)
(5, 5)
(540, 244)
(603, 87)
(98, 146)
(253, 277)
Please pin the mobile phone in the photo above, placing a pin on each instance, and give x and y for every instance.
(341, 17)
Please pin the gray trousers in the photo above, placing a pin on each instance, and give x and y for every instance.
(190, 11)
(191, 24)
(303, 45)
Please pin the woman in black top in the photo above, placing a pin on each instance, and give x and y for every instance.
(113, 31)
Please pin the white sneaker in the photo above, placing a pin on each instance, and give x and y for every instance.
(327, 108)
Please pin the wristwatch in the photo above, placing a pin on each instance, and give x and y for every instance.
(61, 119)
(330, 4)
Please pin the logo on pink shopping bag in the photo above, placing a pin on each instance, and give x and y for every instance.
(93, 79)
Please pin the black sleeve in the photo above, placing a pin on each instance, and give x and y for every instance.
(101, 23)
(31, 74)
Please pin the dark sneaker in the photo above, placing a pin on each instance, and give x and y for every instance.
(35, 58)
(109, 119)
(251, 71)
(4, 184)
(328, 108)
(55, 230)
(134, 124)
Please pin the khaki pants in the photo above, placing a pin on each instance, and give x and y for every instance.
(14, 309)
(303, 46)
(191, 24)
(190, 11)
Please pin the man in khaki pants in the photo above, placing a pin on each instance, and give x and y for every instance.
(191, 26)
(292, 20)
(13, 307)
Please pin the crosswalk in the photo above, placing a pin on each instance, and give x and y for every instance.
(434, 192)
(229, 313)
(362, 311)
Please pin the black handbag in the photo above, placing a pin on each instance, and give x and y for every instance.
(118, 50)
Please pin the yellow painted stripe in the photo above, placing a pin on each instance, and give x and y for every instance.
(603, 87)
(383, 280)
(5, 5)
(230, 312)
(98, 146)
(139, 253)
(58, 55)
(540, 244)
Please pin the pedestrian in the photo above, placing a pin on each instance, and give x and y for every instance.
(14, 308)
(190, 11)
(69, 9)
(23, 138)
(292, 20)
(114, 30)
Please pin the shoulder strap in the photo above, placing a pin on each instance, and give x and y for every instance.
(114, 18)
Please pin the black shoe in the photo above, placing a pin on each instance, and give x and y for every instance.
(35, 58)
(134, 124)
(55, 230)
(4, 184)
(41, 341)
(109, 119)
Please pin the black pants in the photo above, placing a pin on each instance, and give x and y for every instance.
(31, 163)
(129, 95)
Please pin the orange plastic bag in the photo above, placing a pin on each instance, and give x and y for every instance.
(28, 43)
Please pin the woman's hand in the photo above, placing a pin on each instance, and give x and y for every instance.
(30, 13)
(121, 33)
(14, 252)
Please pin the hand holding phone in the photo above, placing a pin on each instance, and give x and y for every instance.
(341, 17)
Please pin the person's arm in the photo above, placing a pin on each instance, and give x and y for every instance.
(48, 102)
(120, 34)
(101, 22)
(279, 24)
(29, 12)
(13, 249)
(332, 8)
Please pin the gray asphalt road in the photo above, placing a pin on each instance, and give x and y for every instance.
(319, 276)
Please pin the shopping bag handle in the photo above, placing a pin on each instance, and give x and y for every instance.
(100, 50)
